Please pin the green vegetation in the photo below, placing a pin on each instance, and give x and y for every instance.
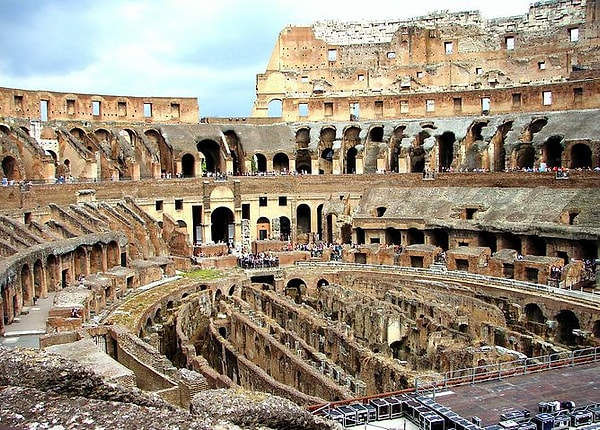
(204, 274)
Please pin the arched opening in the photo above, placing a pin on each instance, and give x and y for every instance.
(281, 162)
(285, 228)
(263, 228)
(303, 223)
(567, 322)
(188, 166)
(181, 223)
(393, 236)
(165, 151)
(322, 283)
(326, 153)
(80, 261)
(446, 150)
(9, 164)
(376, 134)
(351, 160)
(113, 254)
(581, 157)
(439, 237)
(223, 227)
(275, 108)
(231, 291)
(96, 258)
(415, 236)
(536, 246)
(534, 314)
(511, 241)
(26, 284)
(38, 279)
(524, 156)
(302, 138)
(303, 161)
(52, 279)
(294, 289)
(552, 152)
(260, 162)
(488, 239)
(236, 150)
(417, 159)
(395, 148)
(212, 159)
(400, 349)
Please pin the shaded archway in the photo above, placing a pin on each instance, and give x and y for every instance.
(38, 279)
(236, 151)
(446, 150)
(223, 227)
(96, 258)
(26, 284)
(534, 313)
(9, 164)
(52, 278)
(165, 151)
(302, 138)
(393, 236)
(188, 166)
(285, 228)
(260, 162)
(263, 228)
(552, 152)
(581, 156)
(303, 161)
(350, 166)
(303, 223)
(113, 254)
(415, 236)
(395, 148)
(439, 237)
(524, 156)
(80, 261)
(294, 289)
(567, 322)
(281, 162)
(211, 151)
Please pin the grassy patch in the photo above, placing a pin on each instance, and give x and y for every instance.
(204, 274)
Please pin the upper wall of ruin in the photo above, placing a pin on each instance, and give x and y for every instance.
(334, 70)
(50, 105)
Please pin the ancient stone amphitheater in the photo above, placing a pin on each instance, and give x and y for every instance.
(318, 256)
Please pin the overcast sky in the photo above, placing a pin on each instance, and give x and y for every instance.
(207, 49)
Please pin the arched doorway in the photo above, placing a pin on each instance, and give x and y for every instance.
(567, 322)
(351, 160)
(281, 162)
(581, 156)
(303, 223)
(275, 108)
(80, 261)
(38, 279)
(9, 164)
(211, 151)
(552, 152)
(26, 284)
(294, 289)
(303, 161)
(223, 227)
(446, 150)
(260, 163)
(263, 228)
(188, 166)
(285, 228)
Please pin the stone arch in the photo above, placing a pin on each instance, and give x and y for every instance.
(534, 314)
(303, 161)
(552, 152)
(80, 260)
(236, 152)
(222, 225)
(263, 228)
(113, 254)
(322, 283)
(188, 166)
(581, 156)
(275, 108)
(96, 258)
(158, 316)
(400, 349)
(181, 223)
(349, 143)
(164, 150)
(524, 156)
(393, 236)
(260, 161)
(415, 236)
(326, 152)
(52, 278)
(294, 289)
(302, 138)
(376, 134)
(416, 153)
(396, 148)
(498, 149)
(281, 162)
(231, 291)
(303, 223)
(567, 322)
(39, 284)
(446, 150)
(285, 228)
(535, 126)
(596, 329)
(26, 284)
(10, 168)
(211, 151)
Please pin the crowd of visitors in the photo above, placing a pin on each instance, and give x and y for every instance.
(259, 260)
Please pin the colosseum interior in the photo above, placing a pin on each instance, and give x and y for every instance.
(425, 200)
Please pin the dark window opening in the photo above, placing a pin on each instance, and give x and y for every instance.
(158, 205)
(381, 211)
(178, 204)
(470, 212)
(245, 210)
(282, 201)
(262, 201)
(572, 216)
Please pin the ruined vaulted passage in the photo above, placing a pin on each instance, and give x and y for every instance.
(552, 152)
(581, 157)
(281, 162)
(567, 322)
(446, 150)
(302, 138)
(9, 164)
(222, 228)
(260, 162)
(188, 166)
(211, 152)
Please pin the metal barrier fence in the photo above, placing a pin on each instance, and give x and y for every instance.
(498, 371)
